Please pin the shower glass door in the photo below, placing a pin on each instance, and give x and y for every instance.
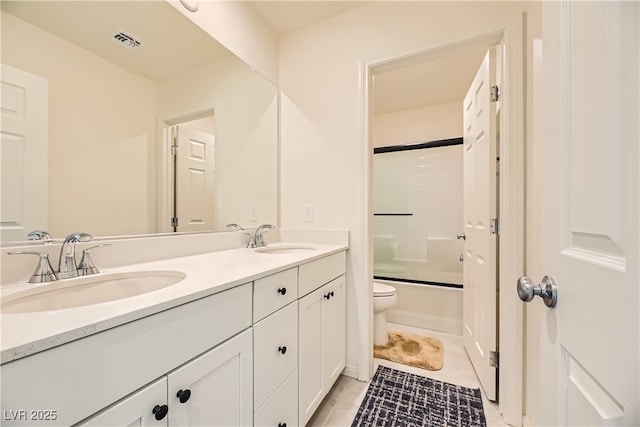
(417, 203)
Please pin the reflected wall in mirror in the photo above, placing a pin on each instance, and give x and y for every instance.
(120, 76)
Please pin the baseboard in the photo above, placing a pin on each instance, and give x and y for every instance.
(350, 371)
(426, 321)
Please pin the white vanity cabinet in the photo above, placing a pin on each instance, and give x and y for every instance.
(215, 389)
(275, 348)
(98, 373)
(321, 330)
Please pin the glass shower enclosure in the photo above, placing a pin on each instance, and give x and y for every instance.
(417, 204)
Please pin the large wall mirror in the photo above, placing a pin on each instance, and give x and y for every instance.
(123, 82)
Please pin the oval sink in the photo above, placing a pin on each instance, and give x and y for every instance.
(283, 249)
(88, 290)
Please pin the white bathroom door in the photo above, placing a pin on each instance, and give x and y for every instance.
(195, 180)
(585, 221)
(479, 211)
(24, 136)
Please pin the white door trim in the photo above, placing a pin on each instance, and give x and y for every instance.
(512, 192)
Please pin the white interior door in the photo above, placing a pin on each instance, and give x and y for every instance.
(585, 215)
(195, 180)
(479, 208)
(24, 153)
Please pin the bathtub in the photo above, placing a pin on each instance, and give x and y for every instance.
(437, 308)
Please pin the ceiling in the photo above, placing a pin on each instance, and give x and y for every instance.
(92, 25)
(419, 81)
(284, 17)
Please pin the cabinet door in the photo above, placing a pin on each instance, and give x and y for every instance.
(280, 409)
(333, 331)
(310, 351)
(215, 389)
(275, 347)
(146, 407)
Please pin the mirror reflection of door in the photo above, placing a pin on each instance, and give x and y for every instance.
(23, 154)
(194, 176)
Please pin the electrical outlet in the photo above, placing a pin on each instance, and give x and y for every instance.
(307, 212)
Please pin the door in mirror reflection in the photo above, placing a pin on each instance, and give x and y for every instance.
(194, 176)
(23, 153)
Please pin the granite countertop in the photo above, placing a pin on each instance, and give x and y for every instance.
(24, 334)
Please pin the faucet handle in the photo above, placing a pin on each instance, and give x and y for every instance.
(44, 272)
(39, 235)
(86, 266)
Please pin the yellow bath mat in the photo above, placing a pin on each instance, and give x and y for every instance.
(412, 350)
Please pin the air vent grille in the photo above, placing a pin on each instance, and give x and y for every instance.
(127, 40)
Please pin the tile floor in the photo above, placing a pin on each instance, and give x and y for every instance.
(341, 404)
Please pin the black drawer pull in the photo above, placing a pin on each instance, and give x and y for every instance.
(282, 424)
(282, 349)
(183, 395)
(160, 411)
(282, 291)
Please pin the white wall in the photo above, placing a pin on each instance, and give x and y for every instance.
(425, 124)
(324, 152)
(91, 161)
(236, 27)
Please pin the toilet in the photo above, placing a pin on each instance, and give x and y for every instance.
(384, 297)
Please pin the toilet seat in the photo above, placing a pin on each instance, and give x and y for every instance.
(382, 290)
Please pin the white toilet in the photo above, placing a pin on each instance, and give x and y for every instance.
(384, 297)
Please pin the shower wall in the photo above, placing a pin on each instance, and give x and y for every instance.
(417, 204)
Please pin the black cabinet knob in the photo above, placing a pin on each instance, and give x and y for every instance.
(282, 349)
(327, 296)
(282, 424)
(183, 395)
(160, 411)
(331, 293)
(282, 291)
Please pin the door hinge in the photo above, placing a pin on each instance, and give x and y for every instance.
(174, 150)
(494, 225)
(174, 222)
(494, 359)
(495, 93)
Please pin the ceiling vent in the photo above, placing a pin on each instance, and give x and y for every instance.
(126, 40)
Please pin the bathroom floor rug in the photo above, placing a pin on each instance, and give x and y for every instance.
(412, 350)
(396, 398)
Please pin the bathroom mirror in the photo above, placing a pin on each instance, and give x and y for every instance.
(126, 80)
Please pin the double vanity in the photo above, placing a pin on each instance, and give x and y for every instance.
(232, 337)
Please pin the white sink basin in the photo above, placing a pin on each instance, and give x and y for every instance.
(88, 290)
(280, 250)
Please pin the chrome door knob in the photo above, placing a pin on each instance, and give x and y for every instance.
(547, 290)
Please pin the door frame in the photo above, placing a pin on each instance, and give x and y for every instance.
(512, 212)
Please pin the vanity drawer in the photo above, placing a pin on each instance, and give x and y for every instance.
(274, 292)
(316, 273)
(272, 362)
(282, 407)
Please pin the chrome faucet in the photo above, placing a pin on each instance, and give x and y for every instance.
(257, 241)
(67, 265)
